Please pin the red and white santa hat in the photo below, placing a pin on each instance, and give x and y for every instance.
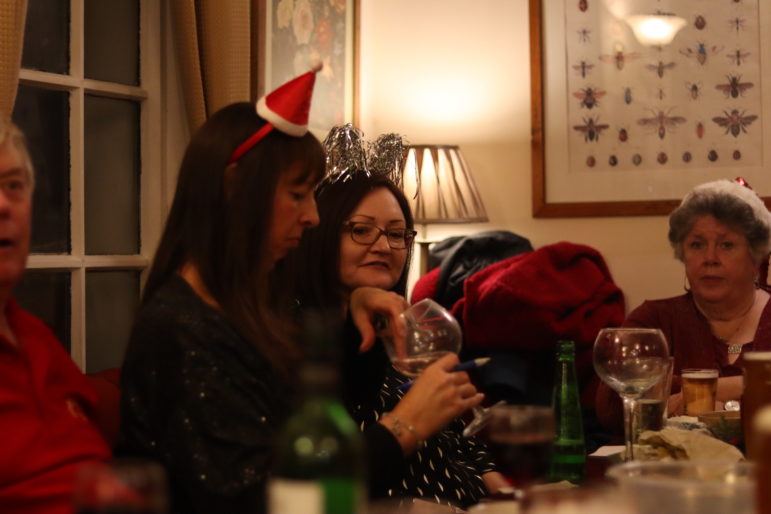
(285, 109)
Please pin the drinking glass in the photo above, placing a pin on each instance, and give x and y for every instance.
(520, 438)
(630, 361)
(652, 406)
(124, 486)
(432, 333)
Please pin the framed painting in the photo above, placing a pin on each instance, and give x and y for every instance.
(297, 33)
(623, 127)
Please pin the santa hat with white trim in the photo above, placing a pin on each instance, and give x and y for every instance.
(286, 109)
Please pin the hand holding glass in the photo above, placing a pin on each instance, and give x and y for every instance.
(630, 361)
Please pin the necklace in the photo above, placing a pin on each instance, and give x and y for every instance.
(733, 348)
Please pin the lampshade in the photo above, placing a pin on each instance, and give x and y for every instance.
(655, 29)
(445, 189)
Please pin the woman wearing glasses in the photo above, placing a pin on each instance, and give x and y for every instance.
(365, 239)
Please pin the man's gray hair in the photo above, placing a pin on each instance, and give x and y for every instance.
(10, 133)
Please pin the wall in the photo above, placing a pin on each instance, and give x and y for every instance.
(457, 72)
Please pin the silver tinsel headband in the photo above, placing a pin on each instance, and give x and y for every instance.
(348, 153)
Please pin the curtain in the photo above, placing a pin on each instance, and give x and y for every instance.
(13, 14)
(214, 42)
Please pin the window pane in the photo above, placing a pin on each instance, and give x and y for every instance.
(112, 41)
(112, 176)
(47, 36)
(43, 115)
(46, 294)
(112, 298)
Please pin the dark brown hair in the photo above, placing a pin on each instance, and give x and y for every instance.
(219, 222)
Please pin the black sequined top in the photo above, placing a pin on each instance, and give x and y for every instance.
(203, 401)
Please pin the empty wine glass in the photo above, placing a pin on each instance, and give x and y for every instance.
(630, 360)
(432, 333)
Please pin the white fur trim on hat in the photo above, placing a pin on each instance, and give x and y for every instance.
(733, 188)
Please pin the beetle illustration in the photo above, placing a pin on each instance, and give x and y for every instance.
(628, 95)
(700, 22)
(694, 88)
(662, 121)
(735, 122)
(660, 68)
(584, 68)
(583, 5)
(589, 96)
(700, 130)
(738, 56)
(591, 129)
(623, 135)
(735, 87)
(619, 58)
(701, 52)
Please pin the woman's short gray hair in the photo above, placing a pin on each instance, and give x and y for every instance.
(732, 204)
(10, 133)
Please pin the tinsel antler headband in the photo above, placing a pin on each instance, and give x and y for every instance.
(348, 154)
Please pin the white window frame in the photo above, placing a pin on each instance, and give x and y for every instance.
(148, 94)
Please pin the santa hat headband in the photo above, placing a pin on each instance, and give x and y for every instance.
(739, 189)
(285, 109)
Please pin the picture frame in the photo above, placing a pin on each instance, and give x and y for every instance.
(661, 122)
(294, 35)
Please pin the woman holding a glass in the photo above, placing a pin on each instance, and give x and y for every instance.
(720, 232)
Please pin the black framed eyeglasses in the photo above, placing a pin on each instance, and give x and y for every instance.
(367, 233)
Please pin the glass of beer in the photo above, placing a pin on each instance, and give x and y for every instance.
(699, 390)
(757, 393)
(651, 408)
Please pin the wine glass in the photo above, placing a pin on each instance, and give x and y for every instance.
(127, 485)
(630, 361)
(432, 333)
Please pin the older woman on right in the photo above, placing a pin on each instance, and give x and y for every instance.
(720, 232)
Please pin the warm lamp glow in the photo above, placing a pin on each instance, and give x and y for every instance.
(655, 29)
(446, 192)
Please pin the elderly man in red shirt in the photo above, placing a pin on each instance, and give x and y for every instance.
(45, 401)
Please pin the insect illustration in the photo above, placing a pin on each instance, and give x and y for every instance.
(737, 57)
(583, 5)
(584, 35)
(737, 23)
(735, 87)
(700, 52)
(660, 68)
(589, 96)
(694, 88)
(584, 68)
(700, 22)
(623, 135)
(619, 58)
(700, 130)
(735, 122)
(662, 121)
(628, 95)
(591, 129)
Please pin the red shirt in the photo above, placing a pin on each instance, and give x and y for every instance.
(45, 433)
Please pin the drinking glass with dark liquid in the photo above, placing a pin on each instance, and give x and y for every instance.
(520, 438)
(123, 486)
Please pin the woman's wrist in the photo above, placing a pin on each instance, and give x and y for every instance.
(403, 431)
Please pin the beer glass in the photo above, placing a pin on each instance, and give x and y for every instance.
(630, 361)
(757, 393)
(651, 412)
(699, 390)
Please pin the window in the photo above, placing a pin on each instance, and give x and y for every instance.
(89, 103)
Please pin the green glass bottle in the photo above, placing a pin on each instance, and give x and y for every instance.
(320, 467)
(569, 450)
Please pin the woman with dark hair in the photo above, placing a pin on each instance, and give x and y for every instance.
(720, 232)
(365, 239)
(207, 374)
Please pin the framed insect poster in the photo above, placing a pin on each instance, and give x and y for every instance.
(298, 33)
(623, 125)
